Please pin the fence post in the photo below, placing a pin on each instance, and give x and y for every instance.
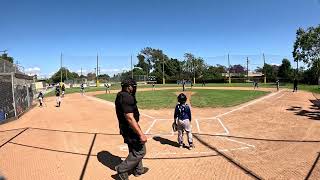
(13, 95)
(4, 66)
(28, 95)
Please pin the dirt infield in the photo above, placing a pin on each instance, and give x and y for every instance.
(274, 137)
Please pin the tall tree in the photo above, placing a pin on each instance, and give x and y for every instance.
(66, 74)
(306, 48)
(142, 63)
(285, 70)
(6, 57)
(237, 69)
(270, 70)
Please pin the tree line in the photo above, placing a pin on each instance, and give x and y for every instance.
(155, 63)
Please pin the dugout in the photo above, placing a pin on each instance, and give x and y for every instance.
(17, 92)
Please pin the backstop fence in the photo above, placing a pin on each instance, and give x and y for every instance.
(17, 92)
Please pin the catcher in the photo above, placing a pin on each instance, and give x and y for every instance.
(182, 121)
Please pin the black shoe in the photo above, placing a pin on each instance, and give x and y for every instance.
(122, 176)
(136, 174)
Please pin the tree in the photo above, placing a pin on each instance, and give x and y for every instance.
(237, 69)
(142, 64)
(306, 48)
(104, 76)
(271, 72)
(214, 72)
(285, 70)
(66, 74)
(156, 60)
(91, 76)
(194, 66)
(6, 57)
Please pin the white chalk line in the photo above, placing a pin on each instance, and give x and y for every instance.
(240, 142)
(281, 95)
(224, 127)
(154, 121)
(200, 152)
(198, 126)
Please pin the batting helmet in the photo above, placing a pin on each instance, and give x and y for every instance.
(182, 98)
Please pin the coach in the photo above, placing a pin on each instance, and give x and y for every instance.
(128, 117)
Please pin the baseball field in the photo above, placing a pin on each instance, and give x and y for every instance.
(239, 133)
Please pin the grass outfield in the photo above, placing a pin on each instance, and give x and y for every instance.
(223, 98)
(310, 88)
(202, 98)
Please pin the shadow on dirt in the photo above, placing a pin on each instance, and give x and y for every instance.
(108, 159)
(313, 113)
(166, 141)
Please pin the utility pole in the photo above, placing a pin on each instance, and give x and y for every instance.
(264, 67)
(248, 69)
(97, 69)
(131, 67)
(229, 69)
(194, 73)
(61, 68)
(66, 74)
(163, 80)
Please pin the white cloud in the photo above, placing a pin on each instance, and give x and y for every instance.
(32, 71)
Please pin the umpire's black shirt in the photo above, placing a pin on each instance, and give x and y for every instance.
(126, 103)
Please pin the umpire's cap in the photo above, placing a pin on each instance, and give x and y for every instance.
(128, 82)
(182, 98)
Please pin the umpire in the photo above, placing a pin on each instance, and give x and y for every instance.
(128, 117)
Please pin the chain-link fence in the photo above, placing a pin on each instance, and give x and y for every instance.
(8, 67)
(17, 92)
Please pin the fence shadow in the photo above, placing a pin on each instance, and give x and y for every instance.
(313, 113)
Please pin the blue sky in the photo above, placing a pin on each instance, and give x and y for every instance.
(35, 32)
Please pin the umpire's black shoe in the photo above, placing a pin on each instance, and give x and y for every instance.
(122, 176)
(136, 174)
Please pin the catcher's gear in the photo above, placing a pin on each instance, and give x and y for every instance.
(182, 98)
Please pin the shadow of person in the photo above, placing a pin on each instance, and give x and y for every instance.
(166, 141)
(108, 159)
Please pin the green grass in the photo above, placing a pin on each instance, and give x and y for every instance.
(87, 89)
(202, 98)
(310, 88)
(149, 99)
(223, 98)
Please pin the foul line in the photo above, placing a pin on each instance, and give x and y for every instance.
(224, 127)
(198, 126)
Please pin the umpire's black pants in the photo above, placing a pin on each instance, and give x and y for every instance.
(134, 160)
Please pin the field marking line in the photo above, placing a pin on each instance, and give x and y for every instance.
(281, 95)
(198, 126)
(112, 104)
(224, 127)
(240, 142)
(154, 121)
(246, 105)
(233, 149)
